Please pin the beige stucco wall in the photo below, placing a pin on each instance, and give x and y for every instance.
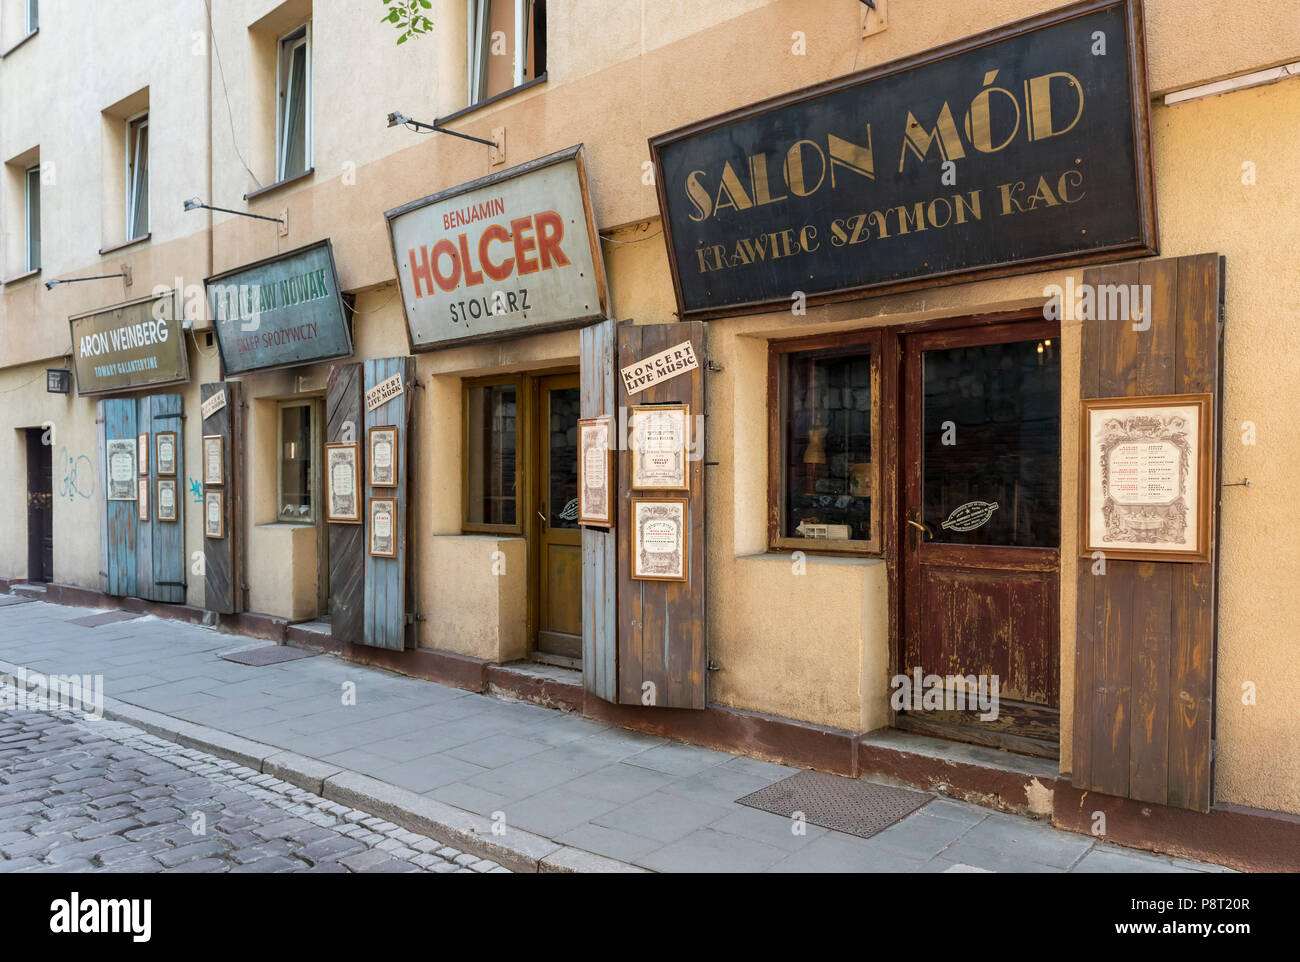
(813, 646)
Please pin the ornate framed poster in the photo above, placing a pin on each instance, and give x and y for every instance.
(1146, 477)
(120, 453)
(142, 499)
(214, 514)
(165, 460)
(214, 463)
(166, 500)
(383, 527)
(658, 442)
(659, 539)
(342, 483)
(595, 472)
(382, 462)
(142, 453)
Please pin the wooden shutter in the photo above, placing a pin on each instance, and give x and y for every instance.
(347, 563)
(160, 552)
(116, 418)
(1145, 647)
(599, 546)
(661, 637)
(222, 562)
(386, 624)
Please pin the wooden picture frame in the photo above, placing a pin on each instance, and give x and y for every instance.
(655, 523)
(166, 495)
(142, 454)
(214, 459)
(343, 482)
(142, 499)
(596, 467)
(382, 462)
(120, 469)
(165, 443)
(381, 528)
(214, 514)
(659, 450)
(1146, 477)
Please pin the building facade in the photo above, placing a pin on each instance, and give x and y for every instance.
(888, 467)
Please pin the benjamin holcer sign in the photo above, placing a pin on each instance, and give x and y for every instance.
(140, 344)
(280, 312)
(1026, 145)
(510, 253)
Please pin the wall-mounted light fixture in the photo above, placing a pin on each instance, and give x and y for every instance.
(399, 119)
(58, 380)
(50, 285)
(195, 204)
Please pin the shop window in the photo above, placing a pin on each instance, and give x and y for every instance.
(507, 46)
(137, 177)
(823, 471)
(32, 215)
(492, 420)
(293, 97)
(296, 477)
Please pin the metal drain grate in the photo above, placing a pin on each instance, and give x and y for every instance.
(270, 655)
(843, 804)
(107, 618)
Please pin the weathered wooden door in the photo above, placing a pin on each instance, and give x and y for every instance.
(40, 508)
(117, 474)
(559, 539)
(223, 588)
(387, 622)
(980, 527)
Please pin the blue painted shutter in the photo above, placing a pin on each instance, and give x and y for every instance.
(387, 579)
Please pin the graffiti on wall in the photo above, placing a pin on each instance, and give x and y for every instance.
(78, 476)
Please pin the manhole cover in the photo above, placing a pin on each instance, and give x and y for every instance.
(270, 655)
(844, 804)
(107, 618)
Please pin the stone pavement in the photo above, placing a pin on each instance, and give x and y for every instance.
(102, 796)
(635, 798)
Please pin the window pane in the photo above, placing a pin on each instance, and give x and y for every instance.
(562, 485)
(139, 175)
(295, 113)
(34, 218)
(295, 463)
(33, 15)
(991, 425)
(492, 438)
(826, 426)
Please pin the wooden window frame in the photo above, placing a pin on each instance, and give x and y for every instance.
(479, 44)
(33, 263)
(314, 473)
(137, 127)
(285, 47)
(829, 346)
(523, 385)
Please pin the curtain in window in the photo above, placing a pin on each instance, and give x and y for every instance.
(478, 14)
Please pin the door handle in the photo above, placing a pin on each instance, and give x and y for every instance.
(916, 526)
(920, 527)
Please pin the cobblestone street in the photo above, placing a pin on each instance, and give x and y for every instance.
(80, 795)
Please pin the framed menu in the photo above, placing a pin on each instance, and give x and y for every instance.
(383, 527)
(1146, 477)
(214, 514)
(383, 456)
(142, 452)
(658, 442)
(342, 483)
(165, 461)
(142, 499)
(659, 539)
(595, 472)
(214, 464)
(120, 453)
(167, 505)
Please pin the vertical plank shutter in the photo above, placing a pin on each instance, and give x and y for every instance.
(168, 538)
(1145, 647)
(144, 535)
(661, 626)
(117, 530)
(222, 574)
(385, 620)
(599, 547)
(344, 422)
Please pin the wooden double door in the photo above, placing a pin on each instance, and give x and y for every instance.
(980, 513)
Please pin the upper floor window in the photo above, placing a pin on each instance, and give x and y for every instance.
(293, 116)
(32, 208)
(33, 15)
(137, 177)
(507, 45)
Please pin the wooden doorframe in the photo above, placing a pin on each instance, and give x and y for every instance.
(892, 474)
(537, 495)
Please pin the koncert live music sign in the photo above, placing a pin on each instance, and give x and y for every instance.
(1018, 149)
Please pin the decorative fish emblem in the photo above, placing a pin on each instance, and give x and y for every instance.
(969, 516)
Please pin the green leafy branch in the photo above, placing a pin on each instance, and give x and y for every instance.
(407, 16)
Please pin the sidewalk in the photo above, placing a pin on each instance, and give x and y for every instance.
(443, 761)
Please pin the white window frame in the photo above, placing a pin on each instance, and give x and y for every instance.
(33, 16)
(478, 31)
(27, 218)
(133, 176)
(313, 476)
(285, 47)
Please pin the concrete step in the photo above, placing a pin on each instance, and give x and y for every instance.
(36, 591)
